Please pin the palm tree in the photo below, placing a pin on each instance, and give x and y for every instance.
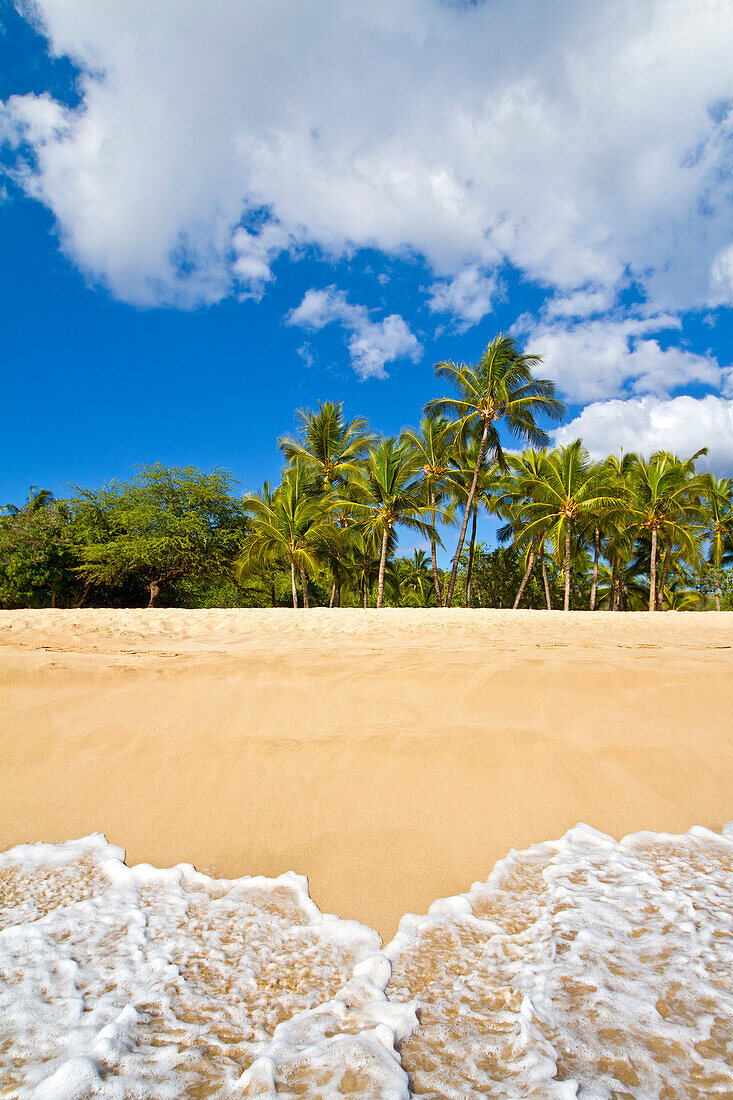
(432, 447)
(616, 525)
(292, 523)
(461, 481)
(665, 501)
(388, 493)
(362, 557)
(330, 447)
(718, 495)
(513, 495)
(415, 578)
(564, 491)
(498, 390)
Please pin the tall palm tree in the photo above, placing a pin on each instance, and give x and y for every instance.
(461, 480)
(432, 447)
(330, 447)
(565, 490)
(389, 492)
(718, 496)
(361, 557)
(665, 503)
(498, 390)
(292, 523)
(615, 524)
(514, 494)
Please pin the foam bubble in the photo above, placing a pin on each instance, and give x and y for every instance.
(148, 983)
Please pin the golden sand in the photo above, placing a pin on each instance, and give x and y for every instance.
(390, 756)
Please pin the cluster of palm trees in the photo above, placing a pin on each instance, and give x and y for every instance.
(628, 523)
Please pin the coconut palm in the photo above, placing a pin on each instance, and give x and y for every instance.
(565, 490)
(416, 582)
(665, 502)
(389, 492)
(461, 479)
(330, 447)
(361, 558)
(718, 497)
(498, 390)
(293, 524)
(432, 448)
(514, 493)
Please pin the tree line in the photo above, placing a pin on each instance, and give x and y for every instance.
(627, 533)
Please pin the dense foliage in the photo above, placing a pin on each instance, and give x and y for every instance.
(623, 534)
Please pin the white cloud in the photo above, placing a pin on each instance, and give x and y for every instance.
(581, 303)
(371, 343)
(596, 149)
(606, 357)
(255, 254)
(467, 297)
(645, 424)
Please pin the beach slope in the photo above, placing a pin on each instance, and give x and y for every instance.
(390, 756)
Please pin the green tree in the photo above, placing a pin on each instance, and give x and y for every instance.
(499, 390)
(513, 496)
(665, 503)
(387, 493)
(163, 524)
(293, 524)
(432, 447)
(329, 447)
(718, 517)
(565, 490)
(38, 553)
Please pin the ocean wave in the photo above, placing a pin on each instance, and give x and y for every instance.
(582, 968)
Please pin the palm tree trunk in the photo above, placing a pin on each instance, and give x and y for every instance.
(545, 579)
(304, 586)
(293, 584)
(433, 554)
(333, 594)
(613, 601)
(663, 579)
(382, 567)
(717, 590)
(525, 578)
(272, 593)
(365, 595)
(469, 571)
(464, 525)
(566, 606)
(653, 572)
(154, 590)
(596, 552)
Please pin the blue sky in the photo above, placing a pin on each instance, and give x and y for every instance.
(214, 214)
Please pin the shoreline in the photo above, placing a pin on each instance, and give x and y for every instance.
(390, 756)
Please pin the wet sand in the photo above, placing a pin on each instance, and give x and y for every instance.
(390, 756)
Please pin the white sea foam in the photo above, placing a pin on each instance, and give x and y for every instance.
(136, 982)
(582, 968)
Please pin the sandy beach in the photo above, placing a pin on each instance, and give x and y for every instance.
(390, 756)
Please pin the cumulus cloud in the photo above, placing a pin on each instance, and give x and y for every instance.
(608, 356)
(371, 343)
(255, 254)
(593, 151)
(467, 297)
(645, 424)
